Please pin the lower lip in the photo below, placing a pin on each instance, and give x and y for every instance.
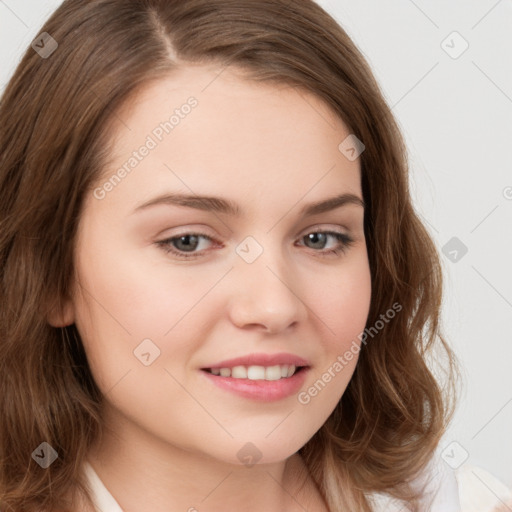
(263, 390)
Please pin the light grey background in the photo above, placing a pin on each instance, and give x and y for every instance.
(456, 115)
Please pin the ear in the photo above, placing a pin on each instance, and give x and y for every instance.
(61, 315)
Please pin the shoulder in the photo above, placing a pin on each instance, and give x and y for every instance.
(480, 491)
(466, 489)
(439, 490)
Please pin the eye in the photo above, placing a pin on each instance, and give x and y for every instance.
(188, 245)
(319, 239)
(183, 244)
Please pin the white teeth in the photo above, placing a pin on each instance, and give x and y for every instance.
(273, 373)
(256, 372)
(239, 372)
(276, 372)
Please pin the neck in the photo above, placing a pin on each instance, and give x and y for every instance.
(144, 473)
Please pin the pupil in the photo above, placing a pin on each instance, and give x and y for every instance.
(315, 237)
(186, 240)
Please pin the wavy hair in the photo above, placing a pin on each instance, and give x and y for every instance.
(54, 142)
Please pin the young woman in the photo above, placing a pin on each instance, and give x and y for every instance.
(216, 294)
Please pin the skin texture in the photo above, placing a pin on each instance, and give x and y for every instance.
(173, 437)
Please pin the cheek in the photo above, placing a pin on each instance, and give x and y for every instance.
(342, 309)
(136, 292)
(342, 304)
(127, 297)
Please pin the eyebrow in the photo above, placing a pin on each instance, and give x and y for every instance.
(221, 205)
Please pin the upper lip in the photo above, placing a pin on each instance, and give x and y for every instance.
(261, 360)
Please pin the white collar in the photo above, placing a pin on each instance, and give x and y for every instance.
(103, 500)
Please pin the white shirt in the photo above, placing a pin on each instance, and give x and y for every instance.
(469, 489)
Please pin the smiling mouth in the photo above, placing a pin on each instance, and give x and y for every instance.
(255, 372)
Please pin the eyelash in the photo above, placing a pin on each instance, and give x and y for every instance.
(345, 240)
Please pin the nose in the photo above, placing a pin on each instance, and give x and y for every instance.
(266, 295)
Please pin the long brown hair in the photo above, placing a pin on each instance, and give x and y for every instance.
(56, 113)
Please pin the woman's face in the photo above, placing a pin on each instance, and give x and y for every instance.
(169, 288)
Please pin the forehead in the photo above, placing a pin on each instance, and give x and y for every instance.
(211, 130)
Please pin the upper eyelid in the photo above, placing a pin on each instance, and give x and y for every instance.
(317, 226)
